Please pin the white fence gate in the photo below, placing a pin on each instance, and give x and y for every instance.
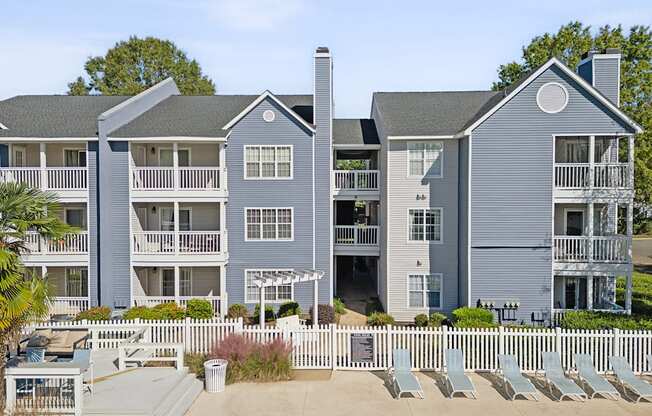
(339, 347)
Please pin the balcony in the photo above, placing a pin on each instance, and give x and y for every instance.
(54, 179)
(599, 249)
(69, 305)
(71, 247)
(189, 242)
(356, 239)
(356, 184)
(218, 304)
(170, 179)
(603, 176)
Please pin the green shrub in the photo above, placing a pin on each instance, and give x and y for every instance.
(97, 313)
(474, 323)
(339, 306)
(169, 310)
(199, 309)
(373, 305)
(237, 310)
(195, 363)
(380, 319)
(136, 312)
(325, 314)
(254, 361)
(604, 320)
(472, 314)
(289, 309)
(421, 320)
(269, 313)
(436, 319)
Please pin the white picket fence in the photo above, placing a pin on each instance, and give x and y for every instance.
(332, 346)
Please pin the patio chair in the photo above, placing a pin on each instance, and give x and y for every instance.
(456, 380)
(512, 377)
(401, 377)
(589, 377)
(628, 380)
(82, 357)
(556, 377)
(33, 355)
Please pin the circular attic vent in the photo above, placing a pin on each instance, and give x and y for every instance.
(269, 116)
(552, 97)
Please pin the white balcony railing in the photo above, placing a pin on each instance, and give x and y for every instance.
(184, 178)
(150, 301)
(69, 305)
(58, 179)
(356, 235)
(605, 175)
(605, 249)
(356, 180)
(68, 244)
(189, 242)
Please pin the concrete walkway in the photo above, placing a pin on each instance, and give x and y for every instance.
(364, 393)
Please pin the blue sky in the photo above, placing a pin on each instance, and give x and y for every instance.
(247, 46)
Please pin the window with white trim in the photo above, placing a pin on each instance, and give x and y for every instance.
(424, 290)
(268, 162)
(269, 223)
(425, 159)
(76, 282)
(280, 293)
(185, 281)
(425, 224)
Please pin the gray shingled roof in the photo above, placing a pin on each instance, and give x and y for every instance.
(53, 115)
(202, 116)
(354, 131)
(432, 113)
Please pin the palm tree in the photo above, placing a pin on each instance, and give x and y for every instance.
(23, 210)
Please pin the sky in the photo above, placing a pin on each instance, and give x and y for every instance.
(248, 46)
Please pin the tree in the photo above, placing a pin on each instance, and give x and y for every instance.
(134, 65)
(568, 45)
(22, 300)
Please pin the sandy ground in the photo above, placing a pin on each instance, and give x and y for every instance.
(366, 393)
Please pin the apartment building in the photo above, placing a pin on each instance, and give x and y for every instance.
(516, 200)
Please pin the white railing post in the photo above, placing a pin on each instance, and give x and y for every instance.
(79, 394)
(390, 357)
(10, 384)
(558, 340)
(616, 344)
(501, 339)
(443, 346)
(186, 333)
(42, 165)
(333, 346)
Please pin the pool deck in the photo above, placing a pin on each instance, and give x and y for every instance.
(366, 393)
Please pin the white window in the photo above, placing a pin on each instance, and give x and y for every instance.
(268, 223)
(74, 158)
(167, 282)
(76, 282)
(268, 162)
(185, 279)
(75, 217)
(425, 224)
(274, 294)
(424, 291)
(167, 219)
(425, 159)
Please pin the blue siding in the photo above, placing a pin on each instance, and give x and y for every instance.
(586, 71)
(511, 202)
(605, 78)
(296, 193)
(4, 155)
(93, 220)
(463, 226)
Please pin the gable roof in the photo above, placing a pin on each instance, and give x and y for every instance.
(353, 131)
(441, 113)
(267, 94)
(200, 116)
(54, 116)
(526, 80)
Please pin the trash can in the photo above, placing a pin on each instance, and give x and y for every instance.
(215, 375)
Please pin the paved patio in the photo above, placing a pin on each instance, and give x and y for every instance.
(365, 393)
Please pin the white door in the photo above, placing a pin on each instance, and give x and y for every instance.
(165, 157)
(18, 155)
(167, 282)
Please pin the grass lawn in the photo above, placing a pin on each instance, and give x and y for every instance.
(641, 296)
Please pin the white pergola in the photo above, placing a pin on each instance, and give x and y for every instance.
(278, 278)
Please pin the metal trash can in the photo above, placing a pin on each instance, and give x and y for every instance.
(215, 375)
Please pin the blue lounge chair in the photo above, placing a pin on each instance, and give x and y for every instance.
(556, 377)
(82, 357)
(401, 377)
(628, 380)
(590, 378)
(456, 380)
(512, 378)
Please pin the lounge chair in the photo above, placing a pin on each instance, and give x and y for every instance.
(512, 377)
(556, 377)
(628, 380)
(401, 377)
(589, 377)
(456, 380)
(81, 357)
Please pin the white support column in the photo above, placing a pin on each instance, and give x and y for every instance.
(176, 284)
(43, 165)
(315, 304)
(175, 164)
(261, 318)
(223, 299)
(221, 154)
(176, 227)
(591, 161)
(628, 292)
(590, 231)
(44, 271)
(630, 161)
(223, 237)
(589, 291)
